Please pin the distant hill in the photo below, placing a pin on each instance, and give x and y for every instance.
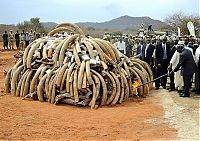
(49, 25)
(120, 23)
(124, 22)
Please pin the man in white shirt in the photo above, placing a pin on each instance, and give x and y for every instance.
(197, 74)
(178, 78)
(121, 46)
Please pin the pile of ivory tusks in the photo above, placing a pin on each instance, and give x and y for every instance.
(77, 70)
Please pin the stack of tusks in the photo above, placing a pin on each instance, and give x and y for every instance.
(68, 67)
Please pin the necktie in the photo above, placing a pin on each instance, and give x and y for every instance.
(146, 50)
(164, 51)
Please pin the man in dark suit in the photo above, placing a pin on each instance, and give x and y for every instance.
(141, 49)
(171, 76)
(162, 62)
(188, 68)
(148, 52)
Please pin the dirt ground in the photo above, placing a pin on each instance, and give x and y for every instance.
(136, 119)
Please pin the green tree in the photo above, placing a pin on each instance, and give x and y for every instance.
(36, 23)
(180, 20)
(25, 25)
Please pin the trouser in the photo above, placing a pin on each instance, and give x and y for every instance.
(11, 44)
(178, 80)
(5, 44)
(161, 71)
(21, 45)
(162, 81)
(17, 43)
(26, 43)
(171, 76)
(186, 81)
(197, 81)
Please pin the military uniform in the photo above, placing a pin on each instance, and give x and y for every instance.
(22, 37)
(31, 36)
(129, 47)
(17, 40)
(11, 40)
(5, 40)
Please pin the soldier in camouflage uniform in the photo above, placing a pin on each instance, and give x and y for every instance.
(107, 36)
(113, 39)
(129, 46)
(11, 40)
(31, 34)
(135, 46)
(5, 40)
(34, 35)
(22, 41)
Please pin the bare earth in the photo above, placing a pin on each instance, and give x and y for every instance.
(136, 119)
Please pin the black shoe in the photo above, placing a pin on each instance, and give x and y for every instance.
(170, 90)
(157, 88)
(193, 90)
(179, 91)
(180, 94)
(197, 92)
(164, 87)
(184, 95)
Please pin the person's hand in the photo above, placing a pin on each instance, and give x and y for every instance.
(170, 72)
(176, 69)
(169, 67)
(159, 65)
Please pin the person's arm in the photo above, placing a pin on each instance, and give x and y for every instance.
(181, 61)
(124, 44)
(174, 57)
(197, 55)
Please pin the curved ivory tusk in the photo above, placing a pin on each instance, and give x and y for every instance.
(89, 77)
(40, 88)
(115, 100)
(80, 75)
(7, 81)
(75, 86)
(104, 87)
(114, 87)
(14, 79)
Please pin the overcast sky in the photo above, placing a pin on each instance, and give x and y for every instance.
(15, 11)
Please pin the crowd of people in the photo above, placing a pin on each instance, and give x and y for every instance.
(177, 56)
(21, 40)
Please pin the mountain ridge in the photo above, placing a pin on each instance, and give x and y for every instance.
(119, 23)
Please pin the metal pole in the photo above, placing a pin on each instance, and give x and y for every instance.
(155, 79)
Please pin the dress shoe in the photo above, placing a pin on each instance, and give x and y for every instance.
(164, 87)
(197, 92)
(170, 90)
(157, 88)
(180, 94)
(184, 95)
(179, 91)
(193, 90)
